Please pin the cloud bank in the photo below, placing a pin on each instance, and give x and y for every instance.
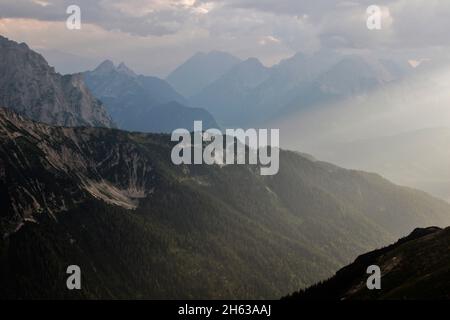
(155, 35)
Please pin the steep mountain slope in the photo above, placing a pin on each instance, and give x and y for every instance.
(31, 87)
(142, 103)
(201, 70)
(140, 227)
(416, 267)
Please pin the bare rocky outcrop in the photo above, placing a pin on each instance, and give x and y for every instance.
(29, 86)
(51, 169)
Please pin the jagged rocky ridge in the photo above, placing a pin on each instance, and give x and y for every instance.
(75, 169)
(29, 86)
(143, 103)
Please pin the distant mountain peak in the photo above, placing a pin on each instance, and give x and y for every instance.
(200, 70)
(105, 66)
(252, 61)
(122, 68)
(108, 66)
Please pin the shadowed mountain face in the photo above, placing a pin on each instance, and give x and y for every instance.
(416, 267)
(140, 227)
(201, 70)
(142, 103)
(28, 85)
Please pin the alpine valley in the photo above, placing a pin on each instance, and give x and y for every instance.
(75, 190)
(112, 202)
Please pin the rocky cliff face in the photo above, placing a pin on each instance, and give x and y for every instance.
(29, 86)
(51, 169)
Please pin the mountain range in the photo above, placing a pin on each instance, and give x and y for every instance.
(142, 103)
(355, 110)
(75, 190)
(250, 94)
(113, 203)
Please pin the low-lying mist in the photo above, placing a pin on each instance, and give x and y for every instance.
(400, 130)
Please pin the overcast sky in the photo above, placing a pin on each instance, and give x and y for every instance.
(154, 36)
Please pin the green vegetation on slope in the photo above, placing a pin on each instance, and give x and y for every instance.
(415, 267)
(140, 227)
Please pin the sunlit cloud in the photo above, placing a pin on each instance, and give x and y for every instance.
(269, 40)
(42, 3)
(415, 63)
